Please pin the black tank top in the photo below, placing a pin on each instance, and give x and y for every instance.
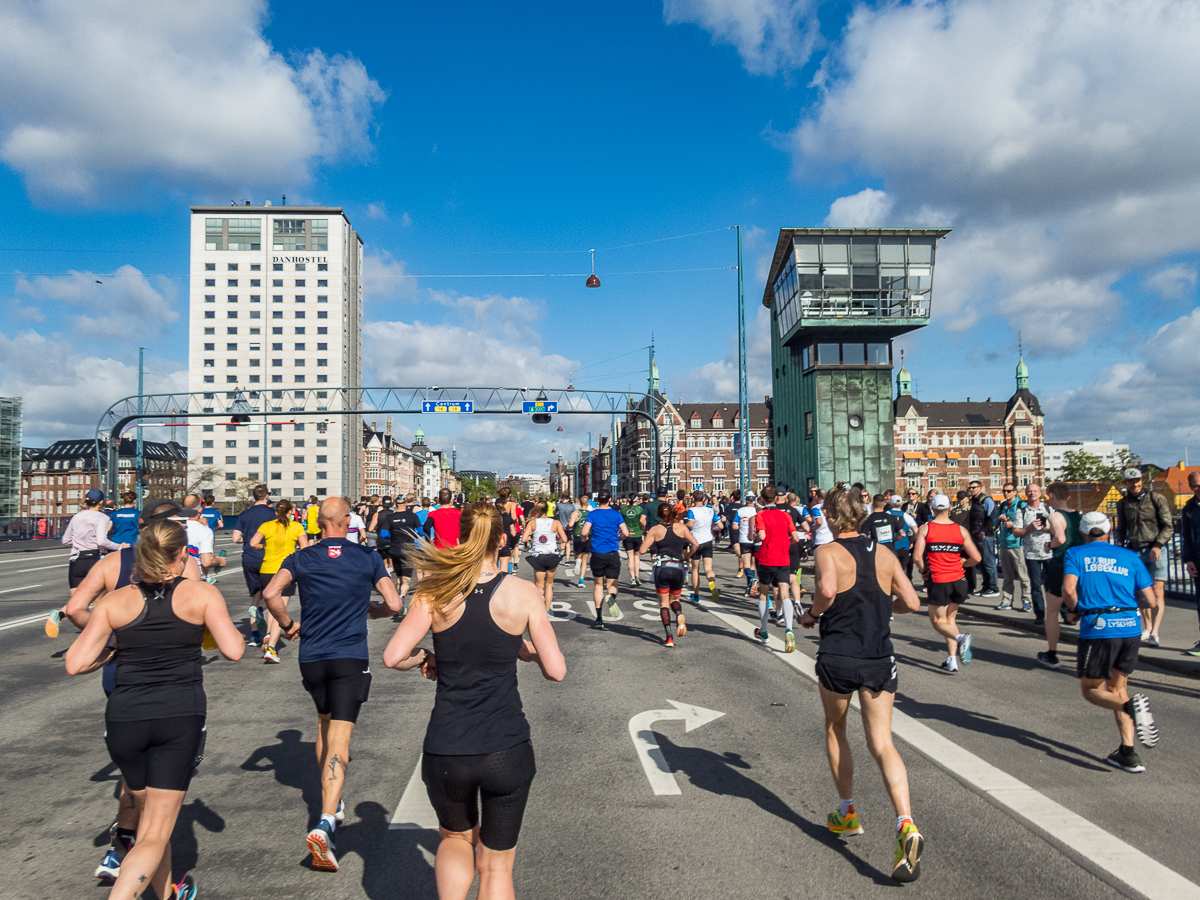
(125, 576)
(158, 662)
(670, 544)
(857, 624)
(478, 707)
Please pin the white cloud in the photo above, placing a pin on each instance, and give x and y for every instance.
(501, 444)
(386, 278)
(1060, 316)
(771, 36)
(377, 210)
(718, 380)
(105, 100)
(868, 208)
(1173, 282)
(121, 305)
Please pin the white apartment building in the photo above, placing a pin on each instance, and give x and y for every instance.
(276, 307)
(1056, 451)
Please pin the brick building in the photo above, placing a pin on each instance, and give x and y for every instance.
(946, 445)
(387, 465)
(54, 480)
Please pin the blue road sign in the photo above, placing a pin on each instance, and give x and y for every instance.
(539, 406)
(448, 406)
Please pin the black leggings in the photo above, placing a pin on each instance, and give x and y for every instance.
(456, 783)
(157, 753)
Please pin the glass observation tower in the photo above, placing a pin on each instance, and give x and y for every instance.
(838, 296)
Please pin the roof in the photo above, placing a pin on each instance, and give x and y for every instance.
(1176, 478)
(760, 413)
(1030, 400)
(966, 414)
(242, 210)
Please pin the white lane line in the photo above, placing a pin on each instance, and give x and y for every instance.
(1147, 876)
(28, 620)
(39, 553)
(38, 569)
(28, 587)
(415, 811)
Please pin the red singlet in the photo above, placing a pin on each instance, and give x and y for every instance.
(943, 551)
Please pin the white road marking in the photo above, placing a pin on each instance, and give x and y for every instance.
(662, 780)
(415, 811)
(38, 569)
(27, 620)
(1147, 876)
(28, 587)
(649, 606)
(40, 556)
(560, 611)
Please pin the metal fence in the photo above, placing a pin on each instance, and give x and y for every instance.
(1180, 585)
(26, 528)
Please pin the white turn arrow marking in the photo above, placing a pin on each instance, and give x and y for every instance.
(662, 781)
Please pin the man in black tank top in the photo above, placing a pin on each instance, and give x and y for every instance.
(859, 585)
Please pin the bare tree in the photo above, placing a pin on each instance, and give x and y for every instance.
(202, 476)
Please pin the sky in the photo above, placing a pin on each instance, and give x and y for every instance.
(496, 145)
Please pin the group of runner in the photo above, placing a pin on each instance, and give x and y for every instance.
(145, 614)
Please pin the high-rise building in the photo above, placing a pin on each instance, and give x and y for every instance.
(10, 456)
(276, 313)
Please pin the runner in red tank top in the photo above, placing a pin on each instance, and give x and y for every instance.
(942, 550)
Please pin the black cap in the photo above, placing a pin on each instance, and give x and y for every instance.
(160, 510)
(386, 501)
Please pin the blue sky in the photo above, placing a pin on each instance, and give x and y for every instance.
(1058, 141)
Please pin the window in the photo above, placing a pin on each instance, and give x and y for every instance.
(209, 427)
(232, 330)
(762, 463)
(232, 282)
(321, 314)
(210, 282)
(206, 460)
(232, 314)
(299, 314)
(276, 314)
(230, 460)
(996, 482)
(298, 476)
(300, 330)
(995, 460)
(697, 463)
(209, 379)
(808, 424)
(973, 460)
(210, 267)
(255, 282)
(322, 330)
(299, 283)
(1024, 438)
(322, 267)
(210, 330)
(210, 314)
(277, 267)
(1025, 459)
(718, 463)
(299, 442)
(298, 459)
(207, 445)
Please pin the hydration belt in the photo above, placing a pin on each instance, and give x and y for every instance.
(667, 562)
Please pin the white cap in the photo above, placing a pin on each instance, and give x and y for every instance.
(1132, 474)
(1094, 524)
(939, 501)
(897, 500)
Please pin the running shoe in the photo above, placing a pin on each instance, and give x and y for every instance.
(320, 844)
(761, 634)
(1143, 721)
(844, 825)
(184, 888)
(1026, 608)
(52, 621)
(669, 641)
(254, 640)
(964, 649)
(1145, 634)
(1004, 606)
(613, 609)
(269, 654)
(909, 844)
(950, 665)
(258, 621)
(1130, 762)
(740, 573)
(680, 626)
(110, 866)
(992, 593)
(1049, 659)
(695, 598)
(598, 625)
(1152, 640)
(634, 582)
(339, 815)
(789, 642)
(716, 596)
(580, 583)
(1195, 651)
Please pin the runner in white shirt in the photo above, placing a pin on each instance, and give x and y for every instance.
(357, 531)
(821, 532)
(702, 521)
(200, 538)
(746, 536)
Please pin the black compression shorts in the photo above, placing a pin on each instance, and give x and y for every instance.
(80, 566)
(631, 544)
(254, 581)
(769, 576)
(1098, 657)
(704, 551)
(605, 565)
(581, 545)
(456, 784)
(543, 562)
(339, 687)
(157, 753)
(1052, 579)
(668, 579)
(943, 593)
(846, 674)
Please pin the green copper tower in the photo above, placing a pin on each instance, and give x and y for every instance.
(838, 296)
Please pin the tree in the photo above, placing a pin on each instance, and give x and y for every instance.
(202, 475)
(478, 490)
(1079, 465)
(241, 491)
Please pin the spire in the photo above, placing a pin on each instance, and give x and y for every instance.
(1022, 374)
(903, 379)
(419, 437)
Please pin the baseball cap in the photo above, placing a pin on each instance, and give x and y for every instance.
(1094, 524)
(897, 500)
(159, 510)
(95, 495)
(939, 501)
(1131, 474)
(386, 501)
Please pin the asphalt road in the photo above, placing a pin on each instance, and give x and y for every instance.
(753, 784)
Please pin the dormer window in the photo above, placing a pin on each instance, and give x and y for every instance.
(718, 422)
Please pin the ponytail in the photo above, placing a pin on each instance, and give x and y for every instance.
(451, 572)
(667, 514)
(282, 509)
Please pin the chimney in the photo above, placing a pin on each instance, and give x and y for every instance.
(266, 203)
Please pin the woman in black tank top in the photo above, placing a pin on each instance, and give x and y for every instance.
(670, 541)
(477, 743)
(156, 715)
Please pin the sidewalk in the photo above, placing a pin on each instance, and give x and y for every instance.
(32, 546)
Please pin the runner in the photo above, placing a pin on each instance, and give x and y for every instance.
(212, 515)
(777, 532)
(859, 586)
(880, 525)
(251, 519)
(635, 524)
(1105, 584)
(651, 508)
(125, 520)
(477, 743)
(336, 578)
(441, 525)
(702, 521)
(821, 532)
(200, 538)
(357, 532)
(940, 549)
(670, 541)
(509, 512)
(906, 528)
(403, 527)
(605, 527)
(744, 524)
(155, 717)
(86, 535)
(368, 517)
(378, 523)
(790, 504)
(278, 539)
(545, 535)
(1064, 534)
(311, 526)
(580, 541)
(563, 512)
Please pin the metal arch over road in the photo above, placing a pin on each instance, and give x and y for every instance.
(241, 405)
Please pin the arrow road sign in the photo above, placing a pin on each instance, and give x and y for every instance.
(662, 781)
(539, 406)
(448, 406)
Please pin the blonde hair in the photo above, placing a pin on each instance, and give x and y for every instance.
(451, 572)
(541, 509)
(844, 509)
(157, 550)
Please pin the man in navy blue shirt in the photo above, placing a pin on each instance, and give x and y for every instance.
(606, 527)
(247, 526)
(125, 520)
(1104, 584)
(336, 577)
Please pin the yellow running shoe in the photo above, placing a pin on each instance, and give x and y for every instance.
(716, 594)
(741, 573)
(844, 826)
(909, 844)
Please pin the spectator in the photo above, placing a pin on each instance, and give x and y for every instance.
(1189, 532)
(1144, 526)
(1012, 555)
(1032, 525)
(981, 529)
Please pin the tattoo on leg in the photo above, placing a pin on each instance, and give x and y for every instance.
(333, 767)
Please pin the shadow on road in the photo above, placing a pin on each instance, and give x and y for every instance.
(294, 763)
(719, 774)
(391, 858)
(185, 849)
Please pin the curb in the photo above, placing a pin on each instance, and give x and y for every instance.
(1191, 670)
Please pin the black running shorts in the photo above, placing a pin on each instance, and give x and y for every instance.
(339, 687)
(1052, 578)
(668, 579)
(581, 545)
(605, 565)
(769, 576)
(704, 551)
(543, 562)
(254, 580)
(80, 566)
(943, 593)
(457, 784)
(157, 753)
(847, 674)
(794, 559)
(631, 544)
(1098, 657)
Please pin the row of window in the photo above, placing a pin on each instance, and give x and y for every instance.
(275, 267)
(278, 329)
(255, 314)
(914, 439)
(253, 444)
(257, 298)
(952, 482)
(299, 363)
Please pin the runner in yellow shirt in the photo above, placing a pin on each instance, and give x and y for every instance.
(278, 539)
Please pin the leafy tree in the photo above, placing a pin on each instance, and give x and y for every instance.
(1079, 465)
(478, 490)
